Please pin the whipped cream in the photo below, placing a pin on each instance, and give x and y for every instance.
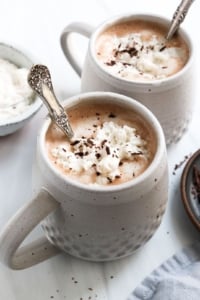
(134, 58)
(15, 93)
(114, 150)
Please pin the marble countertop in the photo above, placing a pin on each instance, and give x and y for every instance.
(36, 26)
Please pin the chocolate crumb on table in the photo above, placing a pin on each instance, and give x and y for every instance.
(178, 165)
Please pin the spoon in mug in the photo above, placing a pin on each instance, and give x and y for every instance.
(178, 17)
(39, 79)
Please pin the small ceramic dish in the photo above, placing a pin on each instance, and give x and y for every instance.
(18, 58)
(190, 188)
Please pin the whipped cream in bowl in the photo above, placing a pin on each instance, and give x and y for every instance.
(18, 104)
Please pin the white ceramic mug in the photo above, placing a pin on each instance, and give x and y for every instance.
(96, 223)
(170, 99)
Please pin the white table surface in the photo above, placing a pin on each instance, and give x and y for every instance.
(35, 26)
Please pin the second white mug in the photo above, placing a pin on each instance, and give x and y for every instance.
(171, 99)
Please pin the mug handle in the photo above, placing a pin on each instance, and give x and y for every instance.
(17, 229)
(67, 44)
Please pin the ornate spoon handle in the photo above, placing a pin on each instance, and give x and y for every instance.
(178, 17)
(39, 80)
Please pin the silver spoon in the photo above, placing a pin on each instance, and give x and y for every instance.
(178, 17)
(39, 79)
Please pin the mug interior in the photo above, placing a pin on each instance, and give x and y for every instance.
(126, 103)
(115, 80)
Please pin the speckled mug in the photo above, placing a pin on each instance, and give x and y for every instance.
(170, 99)
(96, 223)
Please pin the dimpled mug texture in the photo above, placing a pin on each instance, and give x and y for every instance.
(100, 246)
(104, 223)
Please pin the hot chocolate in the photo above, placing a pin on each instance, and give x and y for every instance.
(136, 50)
(111, 145)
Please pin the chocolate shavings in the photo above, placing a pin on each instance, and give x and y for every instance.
(162, 48)
(196, 182)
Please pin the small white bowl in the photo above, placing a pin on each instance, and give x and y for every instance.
(19, 59)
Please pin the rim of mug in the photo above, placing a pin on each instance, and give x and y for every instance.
(172, 80)
(144, 113)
